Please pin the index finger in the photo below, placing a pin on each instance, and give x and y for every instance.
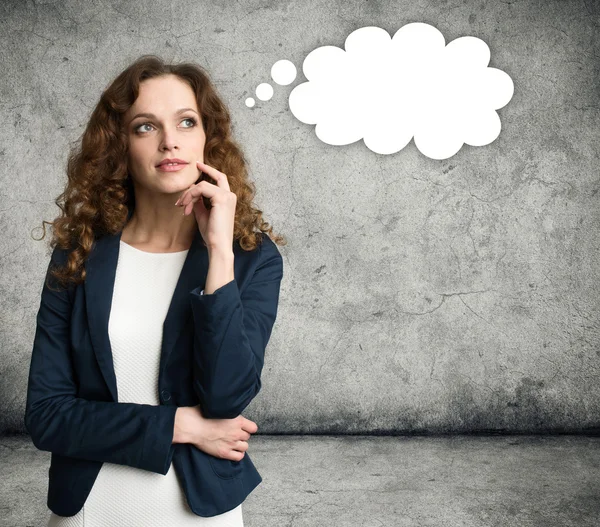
(219, 177)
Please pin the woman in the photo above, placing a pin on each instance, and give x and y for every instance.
(158, 304)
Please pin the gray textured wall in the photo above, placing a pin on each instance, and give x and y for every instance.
(418, 294)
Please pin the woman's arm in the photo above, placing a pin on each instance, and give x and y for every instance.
(220, 271)
(231, 333)
(138, 435)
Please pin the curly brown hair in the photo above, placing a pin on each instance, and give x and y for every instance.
(99, 197)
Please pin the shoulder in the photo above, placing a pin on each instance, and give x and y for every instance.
(270, 260)
(269, 251)
(266, 248)
(58, 260)
(59, 256)
(265, 255)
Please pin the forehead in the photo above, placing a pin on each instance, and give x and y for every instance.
(163, 96)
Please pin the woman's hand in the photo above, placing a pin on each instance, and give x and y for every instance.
(215, 224)
(224, 438)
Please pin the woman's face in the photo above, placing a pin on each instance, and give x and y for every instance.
(172, 128)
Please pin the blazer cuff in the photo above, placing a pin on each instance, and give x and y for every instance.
(158, 449)
(220, 299)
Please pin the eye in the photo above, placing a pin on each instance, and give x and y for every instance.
(138, 131)
(192, 120)
(137, 128)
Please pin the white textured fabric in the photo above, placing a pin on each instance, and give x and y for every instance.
(123, 495)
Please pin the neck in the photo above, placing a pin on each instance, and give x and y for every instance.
(160, 232)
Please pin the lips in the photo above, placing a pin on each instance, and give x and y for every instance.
(170, 161)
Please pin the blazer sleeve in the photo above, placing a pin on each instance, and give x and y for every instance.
(231, 332)
(138, 435)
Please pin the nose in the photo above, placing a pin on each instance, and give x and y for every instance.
(169, 140)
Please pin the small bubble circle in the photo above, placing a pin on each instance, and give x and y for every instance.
(264, 91)
(283, 72)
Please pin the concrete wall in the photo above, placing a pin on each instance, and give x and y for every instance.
(419, 295)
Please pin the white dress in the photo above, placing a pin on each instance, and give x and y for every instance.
(124, 495)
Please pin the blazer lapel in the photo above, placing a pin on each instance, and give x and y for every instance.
(101, 267)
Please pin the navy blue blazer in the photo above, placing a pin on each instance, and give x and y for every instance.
(212, 355)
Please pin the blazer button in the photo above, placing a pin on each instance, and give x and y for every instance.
(166, 396)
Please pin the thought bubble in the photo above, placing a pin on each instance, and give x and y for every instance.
(387, 90)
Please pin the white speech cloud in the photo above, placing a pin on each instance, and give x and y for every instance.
(387, 90)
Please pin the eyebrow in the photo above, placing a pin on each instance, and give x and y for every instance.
(152, 116)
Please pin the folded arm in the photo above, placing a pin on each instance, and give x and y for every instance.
(231, 332)
(138, 435)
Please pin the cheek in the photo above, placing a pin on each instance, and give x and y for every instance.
(200, 136)
(136, 166)
(137, 154)
(200, 144)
